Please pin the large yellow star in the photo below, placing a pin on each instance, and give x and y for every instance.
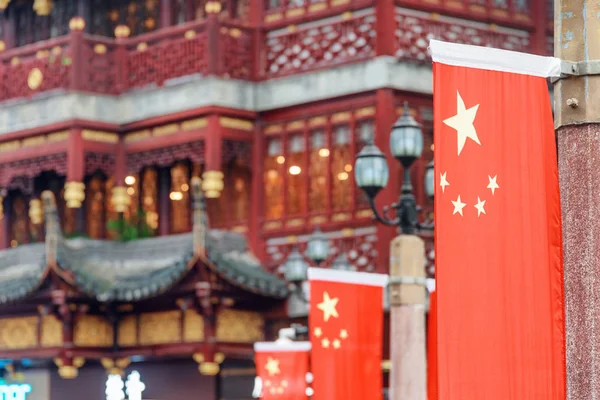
(272, 366)
(463, 123)
(328, 307)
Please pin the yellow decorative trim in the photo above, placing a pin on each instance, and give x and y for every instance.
(340, 117)
(77, 24)
(364, 112)
(235, 123)
(273, 129)
(42, 54)
(56, 50)
(347, 15)
(364, 214)
(35, 79)
(335, 3)
(341, 217)
(209, 368)
(137, 136)
(193, 326)
(18, 333)
(165, 130)
(295, 222)
(143, 46)
(190, 34)
(99, 136)
(317, 7)
(235, 33)
(92, 331)
(160, 327)
(127, 333)
(240, 326)
(294, 12)
(292, 28)
(317, 121)
(273, 17)
(33, 141)
(51, 332)
(57, 136)
(15, 61)
(319, 219)
(295, 125)
(212, 7)
(2, 45)
(9, 146)
(386, 365)
(240, 229)
(271, 225)
(348, 232)
(411, 111)
(292, 239)
(191, 124)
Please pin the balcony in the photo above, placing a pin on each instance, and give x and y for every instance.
(95, 64)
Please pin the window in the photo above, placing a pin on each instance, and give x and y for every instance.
(19, 228)
(238, 193)
(341, 167)
(32, 27)
(273, 179)
(365, 134)
(94, 204)
(141, 16)
(179, 197)
(149, 198)
(317, 170)
(296, 188)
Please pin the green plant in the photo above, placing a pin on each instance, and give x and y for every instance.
(135, 227)
(75, 235)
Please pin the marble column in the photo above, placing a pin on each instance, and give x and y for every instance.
(577, 121)
(408, 373)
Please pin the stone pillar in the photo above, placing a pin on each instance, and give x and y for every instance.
(577, 117)
(408, 373)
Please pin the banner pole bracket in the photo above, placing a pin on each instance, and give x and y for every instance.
(581, 68)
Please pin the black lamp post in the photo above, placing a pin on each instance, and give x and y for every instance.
(372, 174)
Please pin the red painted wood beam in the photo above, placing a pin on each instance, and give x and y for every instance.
(75, 156)
(540, 20)
(385, 42)
(214, 144)
(120, 162)
(99, 147)
(237, 135)
(256, 195)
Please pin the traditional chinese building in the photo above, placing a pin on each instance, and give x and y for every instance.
(110, 110)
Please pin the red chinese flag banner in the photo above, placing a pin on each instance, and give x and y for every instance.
(498, 244)
(346, 332)
(282, 369)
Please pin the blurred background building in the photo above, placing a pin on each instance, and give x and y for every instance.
(114, 106)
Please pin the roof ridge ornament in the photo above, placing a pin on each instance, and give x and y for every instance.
(53, 232)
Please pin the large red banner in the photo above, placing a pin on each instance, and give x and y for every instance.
(346, 332)
(499, 274)
(282, 368)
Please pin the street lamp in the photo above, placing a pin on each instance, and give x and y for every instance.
(372, 174)
(295, 268)
(341, 263)
(318, 247)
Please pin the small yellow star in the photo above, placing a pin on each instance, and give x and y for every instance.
(267, 383)
(493, 185)
(318, 332)
(280, 390)
(337, 344)
(272, 366)
(325, 343)
(273, 390)
(328, 307)
(284, 383)
(344, 334)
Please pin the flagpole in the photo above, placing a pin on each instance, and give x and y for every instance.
(577, 118)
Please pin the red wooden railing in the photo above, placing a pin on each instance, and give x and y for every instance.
(82, 62)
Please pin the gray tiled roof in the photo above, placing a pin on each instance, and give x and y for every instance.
(21, 271)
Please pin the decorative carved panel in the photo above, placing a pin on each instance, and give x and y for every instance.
(414, 30)
(18, 333)
(166, 156)
(51, 332)
(160, 327)
(193, 326)
(92, 331)
(348, 38)
(240, 326)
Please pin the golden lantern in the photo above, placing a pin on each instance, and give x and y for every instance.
(36, 213)
(43, 7)
(1, 207)
(122, 31)
(212, 7)
(209, 368)
(212, 184)
(4, 4)
(74, 194)
(120, 199)
(77, 24)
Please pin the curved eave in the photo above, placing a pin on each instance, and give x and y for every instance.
(247, 275)
(22, 271)
(135, 273)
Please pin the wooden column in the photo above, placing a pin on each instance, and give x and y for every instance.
(164, 202)
(166, 13)
(257, 12)
(75, 175)
(385, 11)
(385, 118)
(577, 119)
(539, 39)
(256, 195)
(6, 222)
